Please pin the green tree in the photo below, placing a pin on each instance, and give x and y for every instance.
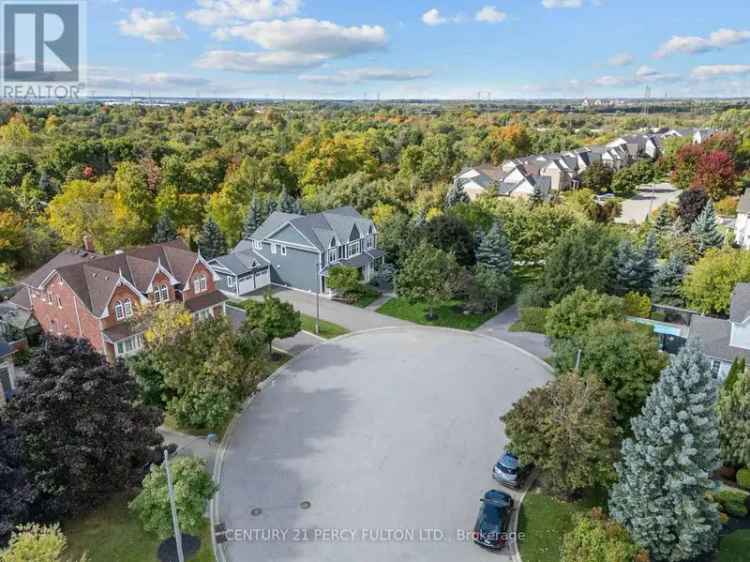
(493, 286)
(705, 229)
(165, 230)
(456, 194)
(583, 257)
(78, 465)
(667, 285)
(690, 204)
(450, 234)
(566, 428)
(36, 543)
(595, 538)
(494, 251)
(253, 219)
(666, 466)
(734, 418)
(625, 356)
(627, 179)
(273, 318)
(663, 220)
(17, 494)
(193, 487)
(708, 286)
(427, 275)
(344, 279)
(575, 312)
(212, 243)
(597, 177)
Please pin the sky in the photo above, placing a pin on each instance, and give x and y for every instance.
(435, 49)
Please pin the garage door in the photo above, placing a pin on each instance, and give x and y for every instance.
(263, 278)
(247, 286)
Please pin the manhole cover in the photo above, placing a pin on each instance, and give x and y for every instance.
(256, 511)
(305, 505)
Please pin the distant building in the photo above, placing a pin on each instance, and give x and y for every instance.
(742, 224)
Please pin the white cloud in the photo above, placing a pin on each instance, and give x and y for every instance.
(114, 79)
(310, 36)
(269, 62)
(621, 59)
(166, 80)
(719, 70)
(150, 26)
(609, 81)
(693, 44)
(490, 14)
(562, 3)
(643, 75)
(351, 76)
(433, 17)
(233, 12)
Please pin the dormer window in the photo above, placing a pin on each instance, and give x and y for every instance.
(257, 244)
(128, 307)
(119, 311)
(161, 294)
(123, 309)
(200, 283)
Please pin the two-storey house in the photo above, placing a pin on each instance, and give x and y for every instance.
(297, 251)
(85, 295)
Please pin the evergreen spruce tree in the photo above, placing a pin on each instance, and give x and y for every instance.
(285, 202)
(628, 268)
(734, 417)
(668, 282)
(666, 466)
(663, 221)
(649, 255)
(212, 242)
(494, 251)
(252, 219)
(456, 194)
(165, 230)
(271, 207)
(297, 208)
(705, 231)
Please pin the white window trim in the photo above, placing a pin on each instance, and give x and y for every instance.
(332, 252)
(163, 293)
(273, 247)
(128, 308)
(231, 281)
(283, 249)
(119, 311)
(258, 245)
(203, 283)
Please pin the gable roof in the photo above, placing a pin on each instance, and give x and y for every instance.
(318, 228)
(69, 256)
(739, 308)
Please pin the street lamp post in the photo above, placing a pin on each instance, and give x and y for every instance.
(175, 522)
(317, 300)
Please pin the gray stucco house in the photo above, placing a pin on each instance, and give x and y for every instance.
(297, 251)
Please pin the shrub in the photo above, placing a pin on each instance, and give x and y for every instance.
(533, 296)
(727, 207)
(637, 304)
(723, 518)
(743, 478)
(534, 318)
(575, 312)
(598, 539)
(731, 502)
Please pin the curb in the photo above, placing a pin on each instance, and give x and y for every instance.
(219, 553)
(516, 553)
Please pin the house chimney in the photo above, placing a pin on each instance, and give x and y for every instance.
(88, 243)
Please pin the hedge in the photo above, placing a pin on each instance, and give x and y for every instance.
(743, 478)
(533, 318)
(733, 503)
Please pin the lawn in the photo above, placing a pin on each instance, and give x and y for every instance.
(735, 546)
(328, 330)
(111, 533)
(447, 314)
(543, 522)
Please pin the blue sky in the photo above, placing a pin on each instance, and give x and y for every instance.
(415, 49)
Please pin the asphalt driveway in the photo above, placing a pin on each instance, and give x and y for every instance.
(390, 436)
(648, 198)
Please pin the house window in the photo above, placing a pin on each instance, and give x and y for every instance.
(283, 249)
(49, 297)
(273, 248)
(715, 366)
(129, 346)
(353, 249)
(163, 293)
(204, 314)
(119, 311)
(127, 306)
(59, 302)
(200, 283)
(332, 255)
(231, 281)
(258, 245)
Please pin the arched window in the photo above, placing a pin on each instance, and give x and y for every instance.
(119, 311)
(163, 293)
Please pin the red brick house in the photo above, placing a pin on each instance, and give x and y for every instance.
(79, 293)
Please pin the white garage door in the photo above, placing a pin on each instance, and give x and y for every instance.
(263, 278)
(247, 286)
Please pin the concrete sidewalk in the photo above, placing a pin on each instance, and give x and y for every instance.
(499, 326)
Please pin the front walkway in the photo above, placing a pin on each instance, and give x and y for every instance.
(498, 327)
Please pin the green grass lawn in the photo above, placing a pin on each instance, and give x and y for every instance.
(367, 298)
(735, 546)
(112, 534)
(328, 330)
(447, 314)
(543, 522)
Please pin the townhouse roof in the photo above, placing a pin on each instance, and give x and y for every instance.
(715, 335)
(739, 308)
(319, 228)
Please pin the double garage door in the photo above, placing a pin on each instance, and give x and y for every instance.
(255, 281)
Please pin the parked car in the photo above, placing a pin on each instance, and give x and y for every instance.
(491, 528)
(509, 472)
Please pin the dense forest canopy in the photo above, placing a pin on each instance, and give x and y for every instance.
(115, 171)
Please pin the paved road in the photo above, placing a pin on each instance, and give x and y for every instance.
(648, 198)
(350, 317)
(498, 326)
(386, 433)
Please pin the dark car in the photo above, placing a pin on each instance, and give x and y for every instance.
(509, 472)
(491, 528)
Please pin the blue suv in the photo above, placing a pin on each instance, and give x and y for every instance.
(508, 471)
(491, 528)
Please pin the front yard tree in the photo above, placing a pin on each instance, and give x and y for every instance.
(343, 279)
(690, 204)
(212, 243)
(273, 318)
(16, 492)
(667, 465)
(567, 429)
(734, 418)
(625, 356)
(85, 434)
(663, 221)
(36, 543)
(193, 488)
(708, 286)
(668, 282)
(705, 230)
(450, 234)
(597, 177)
(575, 313)
(427, 275)
(493, 285)
(165, 230)
(494, 251)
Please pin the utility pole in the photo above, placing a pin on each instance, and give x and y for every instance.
(578, 360)
(175, 522)
(317, 299)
